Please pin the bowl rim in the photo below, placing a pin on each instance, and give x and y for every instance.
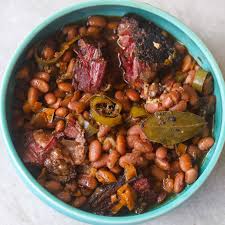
(41, 192)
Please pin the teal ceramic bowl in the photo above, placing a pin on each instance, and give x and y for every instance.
(118, 8)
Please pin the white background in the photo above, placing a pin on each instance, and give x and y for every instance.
(18, 206)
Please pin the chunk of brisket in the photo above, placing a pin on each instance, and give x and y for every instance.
(90, 67)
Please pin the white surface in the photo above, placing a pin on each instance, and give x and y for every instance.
(18, 206)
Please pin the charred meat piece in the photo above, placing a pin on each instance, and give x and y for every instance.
(60, 165)
(145, 49)
(37, 146)
(90, 67)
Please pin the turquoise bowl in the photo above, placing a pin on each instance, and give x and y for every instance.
(118, 8)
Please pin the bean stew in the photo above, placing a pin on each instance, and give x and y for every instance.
(112, 114)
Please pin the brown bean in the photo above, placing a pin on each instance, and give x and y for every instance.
(132, 158)
(56, 104)
(97, 21)
(50, 98)
(48, 53)
(175, 166)
(178, 185)
(71, 65)
(167, 101)
(142, 146)
(65, 86)
(79, 201)
(40, 84)
(185, 162)
(186, 64)
(101, 162)
(61, 112)
(161, 197)
(83, 31)
(162, 164)
(60, 125)
(32, 95)
(175, 96)
(180, 107)
(78, 107)
(180, 48)
(87, 181)
(66, 101)
(116, 169)
(161, 152)
(120, 96)
(59, 94)
(150, 155)
(190, 77)
(193, 96)
(53, 186)
(133, 95)
(43, 75)
(65, 196)
(205, 143)
(153, 107)
(158, 173)
(112, 159)
(67, 56)
(168, 185)
(103, 131)
(70, 31)
(76, 96)
(191, 175)
(194, 151)
(93, 31)
(131, 139)
(23, 73)
(121, 144)
(86, 115)
(112, 25)
(95, 150)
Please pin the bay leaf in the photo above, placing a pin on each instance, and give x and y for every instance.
(169, 128)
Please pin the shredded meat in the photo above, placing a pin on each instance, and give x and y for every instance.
(90, 67)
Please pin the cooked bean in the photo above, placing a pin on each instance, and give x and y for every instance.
(79, 201)
(65, 196)
(95, 150)
(180, 107)
(161, 153)
(158, 173)
(83, 31)
(175, 96)
(93, 31)
(66, 101)
(186, 65)
(53, 186)
(191, 175)
(101, 162)
(86, 115)
(205, 143)
(121, 144)
(60, 125)
(167, 101)
(133, 95)
(70, 31)
(78, 107)
(40, 84)
(168, 185)
(50, 98)
(131, 139)
(193, 96)
(112, 25)
(153, 107)
(43, 75)
(59, 94)
(190, 77)
(194, 151)
(66, 87)
(97, 21)
(87, 181)
(175, 166)
(162, 164)
(185, 162)
(116, 169)
(208, 86)
(67, 57)
(103, 131)
(120, 96)
(48, 53)
(161, 197)
(56, 104)
(132, 158)
(178, 185)
(71, 65)
(23, 73)
(32, 95)
(61, 112)
(112, 159)
(144, 147)
(150, 155)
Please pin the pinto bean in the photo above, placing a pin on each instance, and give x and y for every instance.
(79, 201)
(191, 175)
(60, 125)
(32, 95)
(103, 131)
(132, 158)
(112, 25)
(178, 185)
(61, 112)
(53, 186)
(95, 150)
(190, 77)
(175, 96)
(71, 65)
(97, 21)
(194, 151)
(150, 155)
(144, 147)
(43, 75)
(78, 107)
(186, 64)
(168, 185)
(167, 101)
(131, 139)
(40, 84)
(120, 96)
(65, 86)
(175, 166)
(112, 159)
(70, 31)
(59, 94)
(153, 107)
(65, 196)
(83, 31)
(116, 169)
(48, 53)
(87, 181)
(23, 73)
(56, 104)
(101, 162)
(93, 31)
(161, 152)
(158, 173)
(205, 143)
(185, 162)
(50, 98)
(180, 107)
(161, 197)
(193, 96)
(162, 164)
(133, 95)
(121, 144)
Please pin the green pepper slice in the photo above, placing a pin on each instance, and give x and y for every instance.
(65, 46)
(138, 111)
(199, 80)
(105, 110)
